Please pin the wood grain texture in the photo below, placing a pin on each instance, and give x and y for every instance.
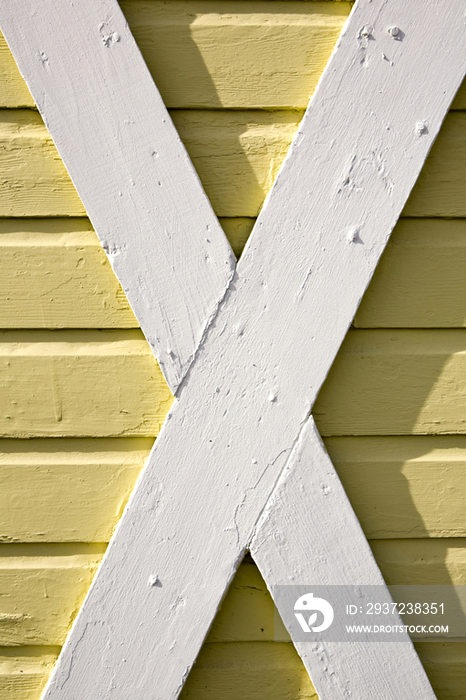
(236, 55)
(129, 167)
(419, 281)
(42, 590)
(66, 490)
(54, 274)
(257, 367)
(24, 671)
(34, 180)
(441, 187)
(404, 487)
(236, 154)
(80, 383)
(445, 667)
(398, 382)
(431, 562)
(14, 92)
(338, 553)
(248, 670)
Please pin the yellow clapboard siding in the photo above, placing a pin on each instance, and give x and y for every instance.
(460, 100)
(66, 490)
(419, 282)
(43, 587)
(24, 671)
(34, 180)
(80, 384)
(395, 382)
(237, 231)
(441, 187)
(432, 562)
(54, 274)
(13, 89)
(445, 665)
(247, 611)
(251, 670)
(237, 154)
(233, 54)
(236, 54)
(404, 486)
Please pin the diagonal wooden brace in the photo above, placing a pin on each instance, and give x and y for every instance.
(226, 470)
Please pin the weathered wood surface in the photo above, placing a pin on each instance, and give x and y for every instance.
(424, 562)
(419, 281)
(236, 55)
(236, 154)
(74, 491)
(404, 486)
(130, 168)
(170, 29)
(34, 180)
(80, 384)
(314, 498)
(252, 670)
(24, 672)
(441, 187)
(275, 290)
(395, 382)
(445, 667)
(41, 594)
(233, 55)
(66, 490)
(54, 274)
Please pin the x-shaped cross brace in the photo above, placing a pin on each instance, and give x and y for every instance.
(239, 463)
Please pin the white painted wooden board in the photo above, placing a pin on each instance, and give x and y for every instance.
(142, 194)
(265, 356)
(309, 535)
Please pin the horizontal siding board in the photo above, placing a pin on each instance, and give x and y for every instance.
(445, 666)
(236, 55)
(24, 671)
(404, 487)
(34, 180)
(42, 591)
(250, 670)
(459, 102)
(236, 154)
(13, 90)
(278, 50)
(80, 384)
(422, 562)
(66, 490)
(395, 382)
(441, 187)
(54, 274)
(419, 282)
